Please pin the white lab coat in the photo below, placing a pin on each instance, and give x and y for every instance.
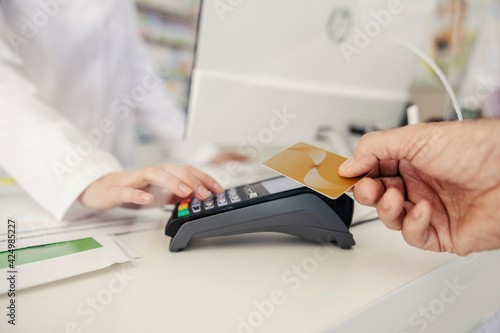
(72, 73)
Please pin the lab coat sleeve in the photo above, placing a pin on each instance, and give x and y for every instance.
(164, 116)
(40, 149)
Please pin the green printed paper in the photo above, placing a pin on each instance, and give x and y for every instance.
(50, 251)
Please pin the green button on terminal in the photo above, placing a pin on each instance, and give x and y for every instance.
(183, 212)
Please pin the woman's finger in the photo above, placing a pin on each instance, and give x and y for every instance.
(186, 175)
(153, 175)
(130, 195)
(208, 181)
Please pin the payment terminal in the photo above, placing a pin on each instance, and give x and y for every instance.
(273, 205)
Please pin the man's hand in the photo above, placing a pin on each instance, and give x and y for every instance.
(134, 187)
(439, 184)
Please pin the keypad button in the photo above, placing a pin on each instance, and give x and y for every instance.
(196, 208)
(183, 212)
(251, 193)
(234, 198)
(183, 206)
(209, 204)
(221, 201)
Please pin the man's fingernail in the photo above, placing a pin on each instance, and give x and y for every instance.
(347, 164)
(185, 189)
(203, 191)
(146, 196)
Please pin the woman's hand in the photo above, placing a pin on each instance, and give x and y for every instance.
(131, 188)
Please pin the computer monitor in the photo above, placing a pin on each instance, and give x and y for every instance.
(274, 72)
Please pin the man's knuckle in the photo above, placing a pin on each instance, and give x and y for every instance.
(363, 142)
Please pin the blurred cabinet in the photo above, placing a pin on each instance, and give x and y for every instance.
(169, 28)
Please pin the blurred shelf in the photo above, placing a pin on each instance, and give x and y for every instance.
(188, 13)
(176, 77)
(169, 42)
(169, 29)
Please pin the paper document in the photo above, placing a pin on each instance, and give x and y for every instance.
(35, 226)
(47, 263)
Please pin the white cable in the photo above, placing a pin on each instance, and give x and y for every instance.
(438, 72)
(413, 115)
(338, 142)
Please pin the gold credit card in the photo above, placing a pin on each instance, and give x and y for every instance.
(313, 167)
